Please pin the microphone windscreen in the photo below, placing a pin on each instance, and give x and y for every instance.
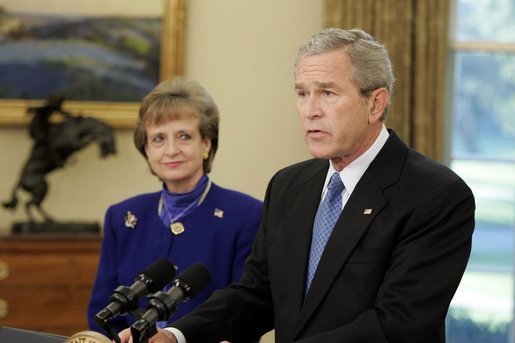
(160, 272)
(197, 276)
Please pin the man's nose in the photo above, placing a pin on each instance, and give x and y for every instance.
(311, 107)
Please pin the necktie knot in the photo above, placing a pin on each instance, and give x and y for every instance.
(335, 184)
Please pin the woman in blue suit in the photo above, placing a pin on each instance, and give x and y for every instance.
(190, 219)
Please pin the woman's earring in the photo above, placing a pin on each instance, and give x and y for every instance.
(206, 155)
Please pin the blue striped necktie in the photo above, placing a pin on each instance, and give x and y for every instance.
(325, 219)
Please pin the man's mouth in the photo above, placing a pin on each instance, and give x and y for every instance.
(314, 133)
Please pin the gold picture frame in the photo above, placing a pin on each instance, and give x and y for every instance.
(117, 114)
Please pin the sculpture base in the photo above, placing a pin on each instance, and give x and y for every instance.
(72, 228)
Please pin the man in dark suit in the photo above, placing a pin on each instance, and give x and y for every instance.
(403, 230)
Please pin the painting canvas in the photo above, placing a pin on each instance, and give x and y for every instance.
(105, 54)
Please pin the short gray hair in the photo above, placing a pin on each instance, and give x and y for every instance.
(371, 65)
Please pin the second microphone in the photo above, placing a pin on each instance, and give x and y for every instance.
(162, 305)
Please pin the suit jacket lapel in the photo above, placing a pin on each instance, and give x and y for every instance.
(365, 203)
(299, 225)
(347, 232)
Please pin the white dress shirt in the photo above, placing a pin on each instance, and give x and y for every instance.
(352, 173)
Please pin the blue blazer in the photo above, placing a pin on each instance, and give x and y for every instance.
(218, 233)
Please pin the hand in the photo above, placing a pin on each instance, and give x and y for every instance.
(125, 335)
(162, 336)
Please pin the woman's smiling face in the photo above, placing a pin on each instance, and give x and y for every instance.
(175, 152)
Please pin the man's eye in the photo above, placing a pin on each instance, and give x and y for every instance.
(301, 94)
(185, 137)
(327, 92)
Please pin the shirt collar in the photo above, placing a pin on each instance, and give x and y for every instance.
(352, 173)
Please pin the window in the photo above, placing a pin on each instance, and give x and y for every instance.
(482, 151)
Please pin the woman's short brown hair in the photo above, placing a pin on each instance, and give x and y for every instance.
(177, 98)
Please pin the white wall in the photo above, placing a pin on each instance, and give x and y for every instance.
(243, 53)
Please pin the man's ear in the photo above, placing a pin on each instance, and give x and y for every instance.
(378, 100)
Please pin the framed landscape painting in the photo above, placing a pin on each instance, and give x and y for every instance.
(102, 57)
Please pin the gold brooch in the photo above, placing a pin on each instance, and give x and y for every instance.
(177, 228)
(130, 220)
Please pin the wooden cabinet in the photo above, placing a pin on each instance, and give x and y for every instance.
(45, 282)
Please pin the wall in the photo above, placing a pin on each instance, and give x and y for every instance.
(243, 53)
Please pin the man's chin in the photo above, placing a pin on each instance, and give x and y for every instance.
(320, 154)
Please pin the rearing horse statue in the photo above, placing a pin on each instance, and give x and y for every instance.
(54, 143)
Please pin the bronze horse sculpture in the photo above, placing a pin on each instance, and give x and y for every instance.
(54, 143)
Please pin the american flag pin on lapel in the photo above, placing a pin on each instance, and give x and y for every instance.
(218, 213)
(367, 211)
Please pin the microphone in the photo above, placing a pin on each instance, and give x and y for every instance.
(125, 299)
(161, 305)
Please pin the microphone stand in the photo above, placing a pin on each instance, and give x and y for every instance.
(111, 333)
(161, 307)
(141, 331)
